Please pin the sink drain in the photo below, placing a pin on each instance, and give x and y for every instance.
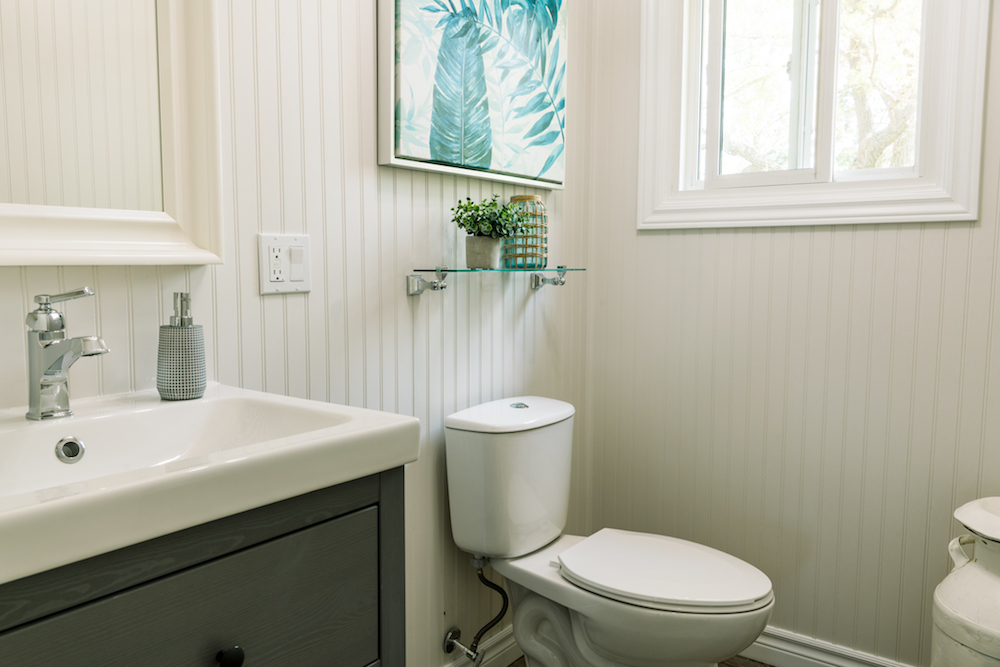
(69, 450)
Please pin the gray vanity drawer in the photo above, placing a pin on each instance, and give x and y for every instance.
(308, 598)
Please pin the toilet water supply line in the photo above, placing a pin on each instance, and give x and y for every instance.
(453, 635)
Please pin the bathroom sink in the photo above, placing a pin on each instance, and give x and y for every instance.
(151, 467)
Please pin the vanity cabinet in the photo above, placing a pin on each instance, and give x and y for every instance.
(314, 580)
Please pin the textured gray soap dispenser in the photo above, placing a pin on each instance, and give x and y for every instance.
(180, 364)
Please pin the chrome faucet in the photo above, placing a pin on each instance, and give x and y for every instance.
(50, 354)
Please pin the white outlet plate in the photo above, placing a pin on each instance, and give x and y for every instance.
(284, 263)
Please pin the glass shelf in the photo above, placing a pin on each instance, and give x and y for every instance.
(416, 285)
(444, 269)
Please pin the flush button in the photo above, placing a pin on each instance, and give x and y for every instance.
(519, 406)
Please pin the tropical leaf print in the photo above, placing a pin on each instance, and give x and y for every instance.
(416, 54)
(531, 25)
(522, 37)
(498, 85)
(460, 119)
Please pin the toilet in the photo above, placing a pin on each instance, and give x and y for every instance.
(617, 598)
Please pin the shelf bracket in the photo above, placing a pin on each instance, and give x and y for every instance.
(538, 280)
(416, 284)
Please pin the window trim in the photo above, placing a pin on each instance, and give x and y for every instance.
(944, 187)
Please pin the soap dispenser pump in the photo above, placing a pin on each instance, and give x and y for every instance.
(180, 363)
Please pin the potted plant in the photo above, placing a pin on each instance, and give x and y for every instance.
(487, 223)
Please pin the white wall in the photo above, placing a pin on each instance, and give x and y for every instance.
(298, 107)
(816, 401)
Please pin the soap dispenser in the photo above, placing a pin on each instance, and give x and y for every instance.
(180, 364)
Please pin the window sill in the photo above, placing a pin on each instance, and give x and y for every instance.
(909, 200)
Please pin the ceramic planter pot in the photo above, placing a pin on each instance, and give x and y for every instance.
(482, 252)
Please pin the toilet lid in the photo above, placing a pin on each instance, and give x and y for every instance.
(660, 572)
(508, 415)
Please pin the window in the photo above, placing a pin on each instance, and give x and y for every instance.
(784, 112)
(757, 85)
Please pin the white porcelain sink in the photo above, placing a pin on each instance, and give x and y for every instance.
(152, 467)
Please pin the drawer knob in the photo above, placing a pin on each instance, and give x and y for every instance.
(231, 657)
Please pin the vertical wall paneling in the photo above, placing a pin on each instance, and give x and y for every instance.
(298, 145)
(14, 302)
(271, 107)
(817, 401)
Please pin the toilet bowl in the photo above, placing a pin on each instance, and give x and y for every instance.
(614, 599)
(597, 630)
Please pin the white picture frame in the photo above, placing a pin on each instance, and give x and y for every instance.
(389, 153)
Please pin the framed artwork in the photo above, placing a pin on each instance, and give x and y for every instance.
(474, 87)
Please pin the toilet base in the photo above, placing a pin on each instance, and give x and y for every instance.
(551, 635)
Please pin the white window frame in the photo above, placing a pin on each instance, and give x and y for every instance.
(820, 172)
(943, 187)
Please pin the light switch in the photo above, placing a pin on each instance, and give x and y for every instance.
(297, 262)
(284, 263)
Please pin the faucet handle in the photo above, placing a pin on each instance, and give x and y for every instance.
(46, 299)
(46, 320)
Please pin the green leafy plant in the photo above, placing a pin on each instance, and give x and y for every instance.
(488, 218)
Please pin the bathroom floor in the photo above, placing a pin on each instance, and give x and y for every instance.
(738, 661)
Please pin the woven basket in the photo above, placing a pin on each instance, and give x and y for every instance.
(530, 249)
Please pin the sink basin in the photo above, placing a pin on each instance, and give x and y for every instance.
(152, 467)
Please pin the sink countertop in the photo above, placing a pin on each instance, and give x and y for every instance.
(154, 467)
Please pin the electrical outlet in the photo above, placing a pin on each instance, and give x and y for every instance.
(284, 263)
(277, 274)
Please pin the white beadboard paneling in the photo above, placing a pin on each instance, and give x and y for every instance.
(816, 401)
(116, 290)
(14, 304)
(269, 105)
(149, 298)
(298, 144)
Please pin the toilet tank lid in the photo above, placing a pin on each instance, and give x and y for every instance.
(508, 415)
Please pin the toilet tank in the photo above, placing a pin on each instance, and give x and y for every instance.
(508, 474)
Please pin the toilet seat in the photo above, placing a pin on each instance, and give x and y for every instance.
(620, 632)
(664, 573)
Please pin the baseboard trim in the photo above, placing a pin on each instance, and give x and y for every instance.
(776, 647)
(782, 648)
(500, 650)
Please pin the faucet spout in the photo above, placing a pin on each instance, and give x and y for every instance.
(58, 355)
(91, 346)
